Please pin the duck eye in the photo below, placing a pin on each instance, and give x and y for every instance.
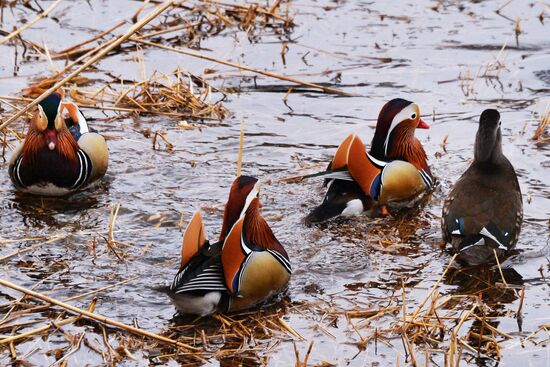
(413, 116)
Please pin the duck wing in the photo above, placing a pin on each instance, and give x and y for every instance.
(200, 269)
(483, 205)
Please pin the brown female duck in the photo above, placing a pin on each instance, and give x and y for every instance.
(483, 212)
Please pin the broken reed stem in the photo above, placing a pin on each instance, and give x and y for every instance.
(98, 36)
(55, 324)
(50, 240)
(39, 330)
(244, 67)
(417, 311)
(115, 109)
(500, 269)
(240, 154)
(136, 27)
(40, 16)
(72, 298)
(83, 57)
(101, 319)
(540, 132)
(520, 307)
(289, 328)
(306, 358)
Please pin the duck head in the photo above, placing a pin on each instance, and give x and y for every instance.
(488, 138)
(396, 124)
(244, 191)
(48, 131)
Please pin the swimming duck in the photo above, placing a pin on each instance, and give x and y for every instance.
(246, 266)
(59, 155)
(394, 173)
(484, 210)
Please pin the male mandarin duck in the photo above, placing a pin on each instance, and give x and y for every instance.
(484, 210)
(393, 173)
(59, 155)
(245, 267)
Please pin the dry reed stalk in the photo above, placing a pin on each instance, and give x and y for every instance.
(42, 15)
(85, 56)
(169, 145)
(417, 311)
(170, 94)
(49, 240)
(99, 318)
(520, 306)
(17, 314)
(503, 5)
(244, 8)
(53, 324)
(289, 328)
(115, 109)
(541, 133)
(168, 30)
(136, 27)
(243, 67)
(95, 38)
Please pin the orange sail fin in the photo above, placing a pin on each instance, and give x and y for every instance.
(340, 159)
(362, 170)
(233, 256)
(193, 239)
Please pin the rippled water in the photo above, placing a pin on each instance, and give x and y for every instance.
(432, 54)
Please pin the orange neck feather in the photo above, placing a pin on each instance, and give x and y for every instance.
(404, 146)
(35, 142)
(258, 231)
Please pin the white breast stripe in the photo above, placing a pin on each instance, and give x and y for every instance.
(241, 271)
(377, 162)
(81, 164)
(426, 177)
(283, 260)
(87, 166)
(18, 166)
(84, 165)
(245, 248)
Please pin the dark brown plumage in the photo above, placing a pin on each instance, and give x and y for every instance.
(484, 209)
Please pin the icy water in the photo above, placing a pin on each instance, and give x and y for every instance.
(444, 56)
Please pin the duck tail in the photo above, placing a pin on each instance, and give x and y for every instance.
(490, 233)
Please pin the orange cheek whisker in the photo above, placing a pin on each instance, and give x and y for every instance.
(35, 142)
(67, 145)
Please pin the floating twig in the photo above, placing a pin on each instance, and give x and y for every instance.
(99, 318)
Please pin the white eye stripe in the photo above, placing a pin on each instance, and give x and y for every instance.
(404, 114)
(251, 196)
